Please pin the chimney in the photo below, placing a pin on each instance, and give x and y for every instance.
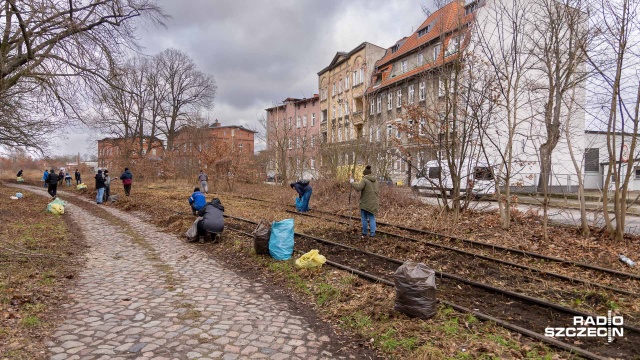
(216, 123)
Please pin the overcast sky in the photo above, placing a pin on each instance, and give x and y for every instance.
(261, 52)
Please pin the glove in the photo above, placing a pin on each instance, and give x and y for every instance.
(351, 180)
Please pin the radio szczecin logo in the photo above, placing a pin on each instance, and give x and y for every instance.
(590, 326)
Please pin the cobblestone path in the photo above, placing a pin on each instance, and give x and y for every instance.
(144, 294)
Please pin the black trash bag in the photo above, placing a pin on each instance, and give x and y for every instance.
(261, 238)
(415, 290)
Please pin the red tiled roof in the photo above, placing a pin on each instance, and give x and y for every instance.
(446, 20)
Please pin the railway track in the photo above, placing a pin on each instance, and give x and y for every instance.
(608, 279)
(513, 311)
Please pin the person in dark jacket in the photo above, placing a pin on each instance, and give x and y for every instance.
(19, 173)
(127, 180)
(304, 194)
(78, 178)
(369, 200)
(52, 181)
(212, 218)
(197, 201)
(99, 187)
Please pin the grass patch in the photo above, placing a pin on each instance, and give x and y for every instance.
(30, 321)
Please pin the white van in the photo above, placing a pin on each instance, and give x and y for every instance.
(478, 178)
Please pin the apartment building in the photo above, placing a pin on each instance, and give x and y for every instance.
(343, 97)
(293, 135)
(119, 152)
(412, 74)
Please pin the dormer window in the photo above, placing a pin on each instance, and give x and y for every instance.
(424, 31)
(395, 48)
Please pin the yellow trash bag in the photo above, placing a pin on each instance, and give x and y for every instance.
(310, 260)
(81, 186)
(20, 179)
(57, 209)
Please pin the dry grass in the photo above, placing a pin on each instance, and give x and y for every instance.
(36, 263)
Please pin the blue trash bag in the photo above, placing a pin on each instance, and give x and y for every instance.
(281, 239)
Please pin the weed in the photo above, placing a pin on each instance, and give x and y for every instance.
(504, 342)
(446, 310)
(326, 293)
(190, 314)
(357, 321)
(470, 319)
(30, 321)
(451, 326)
(612, 305)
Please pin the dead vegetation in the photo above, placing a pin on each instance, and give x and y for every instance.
(38, 258)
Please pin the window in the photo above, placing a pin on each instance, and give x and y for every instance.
(361, 76)
(371, 107)
(434, 172)
(436, 51)
(346, 108)
(411, 129)
(334, 112)
(454, 44)
(312, 163)
(410, 96)
(398, 134)
(379, 104)
(395, 48)
(290, 124)
(389, 131)
(298, 122)
(424, 31)
(399, 98)
(334, 92)
(313, 119)
(591, 160)
(355, 78)
(421, 91)
(441, 87)
(340, 134)
(290, 144)
(389, 100)
(423, 123)
(637, 172)
(240, 147)
(370, 134)
(346, 83)
(304, 121)
(378, 133)
(420, 59)
(403, 66)
(297, 143)
(153, 152)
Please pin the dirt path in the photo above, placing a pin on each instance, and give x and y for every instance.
(145, 294)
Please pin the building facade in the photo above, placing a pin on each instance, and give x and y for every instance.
(195, 146)
(118, 152)
(293, 135)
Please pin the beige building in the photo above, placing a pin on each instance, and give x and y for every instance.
(343, 85)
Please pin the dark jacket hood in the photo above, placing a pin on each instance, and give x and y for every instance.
(217, 204)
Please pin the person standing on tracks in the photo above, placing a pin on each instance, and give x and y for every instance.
(127, 180)
(304, 194)
(99, 187)
(52, 181)
(202, 179)
(369, 201)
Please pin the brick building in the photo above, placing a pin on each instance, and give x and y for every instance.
(118, 152)
(193, 143)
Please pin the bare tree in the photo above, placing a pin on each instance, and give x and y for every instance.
(46, 47)
(613, 55)
(188, 91)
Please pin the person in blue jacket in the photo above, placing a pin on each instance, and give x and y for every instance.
(45, 178)
(197, 201)
(304, 194)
